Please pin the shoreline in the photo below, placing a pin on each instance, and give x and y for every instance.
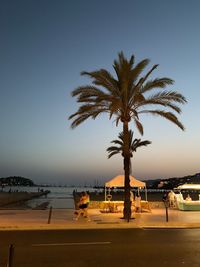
(18, 199)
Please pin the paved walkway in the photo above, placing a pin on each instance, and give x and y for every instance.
(63, 219)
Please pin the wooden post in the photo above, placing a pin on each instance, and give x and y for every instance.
(50, 213)
(166, 209)
(166, 203)
(166, 213)
(11, 256)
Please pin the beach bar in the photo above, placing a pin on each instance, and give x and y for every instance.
(118, 181)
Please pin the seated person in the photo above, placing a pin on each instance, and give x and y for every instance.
(138, 203)
(109, 197)
(171, 199)
(131, 196)
(188, 198)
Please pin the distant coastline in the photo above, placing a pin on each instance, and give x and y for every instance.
(16, 181)
(167, 183)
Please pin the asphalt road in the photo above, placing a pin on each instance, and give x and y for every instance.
(116, 247)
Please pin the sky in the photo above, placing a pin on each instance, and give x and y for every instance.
(44, 46)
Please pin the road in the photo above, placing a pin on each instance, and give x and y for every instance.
(107, 247)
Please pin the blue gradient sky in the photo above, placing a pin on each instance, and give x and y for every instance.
(46, 44)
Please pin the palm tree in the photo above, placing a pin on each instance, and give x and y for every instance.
(133, 145)
(119, 148)
(125, 97)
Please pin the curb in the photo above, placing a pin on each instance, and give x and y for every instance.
(103, 225)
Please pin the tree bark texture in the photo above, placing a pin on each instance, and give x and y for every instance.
(126, 153)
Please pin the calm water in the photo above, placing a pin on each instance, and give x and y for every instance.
(62, 197)
(59, 197)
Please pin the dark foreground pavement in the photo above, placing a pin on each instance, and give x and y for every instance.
(102, 247)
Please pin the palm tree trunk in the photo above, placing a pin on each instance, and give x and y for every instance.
(126, 153)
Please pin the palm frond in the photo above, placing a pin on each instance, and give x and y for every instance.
(139, 126)
(78, 120)
(138, 69)
(112, 154)
(170, 96)
(136, 88)
(167, 115)
(117, 142)
(117, 120)
(136, 98)
(161, 103)
(143, 79)
(113, 148)
(123, 68)
(85, 112)
(165, 99)
(88, 90)
(133, 144)
(139, 143)
(156, 83)
(103, 78)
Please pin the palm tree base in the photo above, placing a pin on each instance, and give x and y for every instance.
(127, 220)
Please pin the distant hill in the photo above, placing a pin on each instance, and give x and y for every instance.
(171, 183)
(16, 180)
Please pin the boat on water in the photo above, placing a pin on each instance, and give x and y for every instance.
(188, 204)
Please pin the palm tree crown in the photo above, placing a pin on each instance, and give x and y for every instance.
(128, 95)
(119, 145)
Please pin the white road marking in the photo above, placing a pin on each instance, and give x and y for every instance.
(72, 244)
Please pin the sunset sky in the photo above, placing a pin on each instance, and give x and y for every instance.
(44, 46)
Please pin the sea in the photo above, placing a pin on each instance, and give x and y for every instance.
(60, 197)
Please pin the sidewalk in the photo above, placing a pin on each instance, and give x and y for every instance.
(63, 219)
